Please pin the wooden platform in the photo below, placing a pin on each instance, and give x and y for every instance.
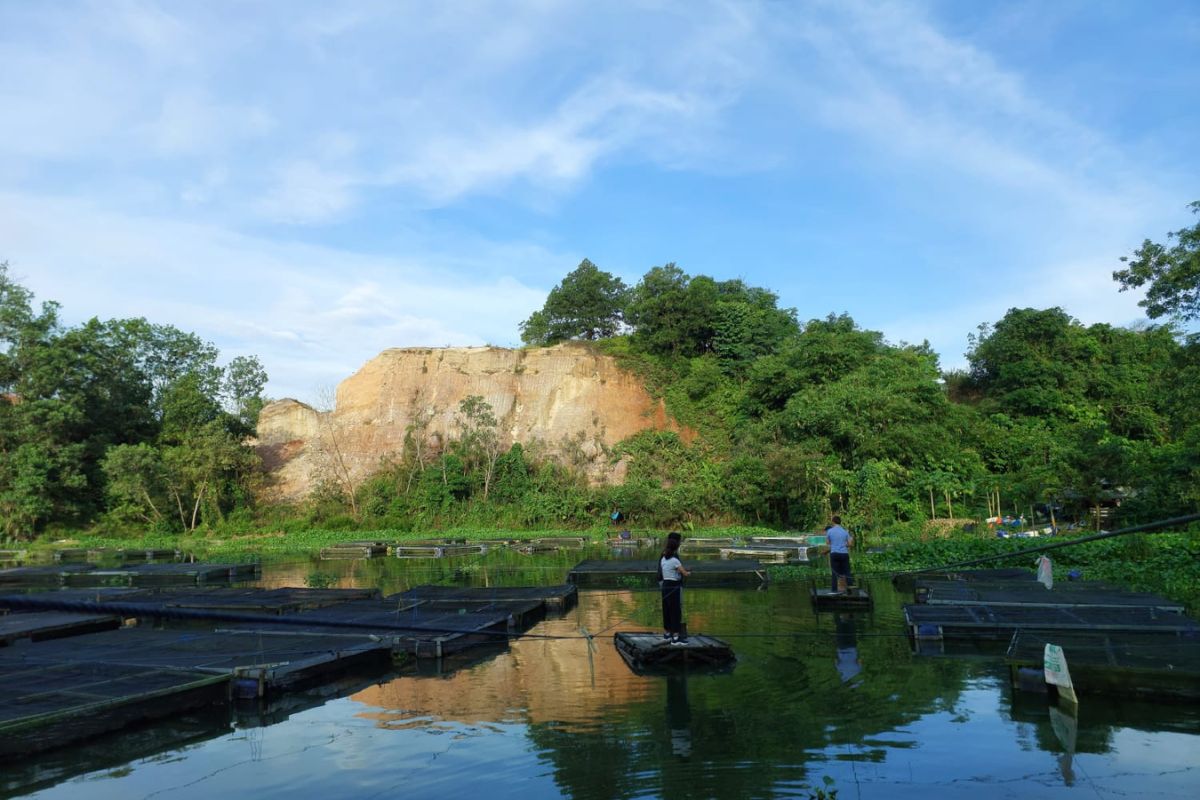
(853, 599)
(647, 650)
(41, 625)
(605, 572)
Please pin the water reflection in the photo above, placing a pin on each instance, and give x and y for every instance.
(679, 715)
(846, 660)
(838, 696)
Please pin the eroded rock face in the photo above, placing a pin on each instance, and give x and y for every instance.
(572, 401)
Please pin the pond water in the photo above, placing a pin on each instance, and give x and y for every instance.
(831, 702)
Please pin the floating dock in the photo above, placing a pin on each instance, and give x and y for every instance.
(354, 550)
(853, 599)
(795, 554)
(1148, 666)
(558, 598)
(1116, 641)
(707, 543)
(647, 650)
(981, 621)
(42, 625)
(49, 704)
(436, 550)
(1031, 594)
(202, 645)
(131, 575)
(605, 572)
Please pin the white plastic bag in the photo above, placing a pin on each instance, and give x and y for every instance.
(1045, 573)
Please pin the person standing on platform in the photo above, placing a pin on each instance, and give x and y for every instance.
(673, 573)
(840, 542)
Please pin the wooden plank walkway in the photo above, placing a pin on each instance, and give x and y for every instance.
(605, 572)
(644, 650)
(41, 625)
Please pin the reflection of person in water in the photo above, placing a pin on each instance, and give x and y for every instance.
(846, 660)
(679, 716)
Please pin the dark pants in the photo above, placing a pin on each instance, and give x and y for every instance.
(672, 604)
(840, 564)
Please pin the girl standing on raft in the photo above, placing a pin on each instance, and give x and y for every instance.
(673, 574)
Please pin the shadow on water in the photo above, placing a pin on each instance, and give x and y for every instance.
(837, 696)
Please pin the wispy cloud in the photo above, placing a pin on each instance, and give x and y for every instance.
(318, 181)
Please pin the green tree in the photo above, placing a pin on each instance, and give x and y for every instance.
(588, 304)
(1173, 274)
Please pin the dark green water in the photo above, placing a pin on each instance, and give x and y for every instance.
(813, 698)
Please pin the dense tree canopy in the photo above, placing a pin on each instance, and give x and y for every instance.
(116, 417)
(588, 304)
(1172, 273)
(129, 422)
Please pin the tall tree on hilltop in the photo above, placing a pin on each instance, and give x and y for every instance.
(588, 304)
(1172, 273)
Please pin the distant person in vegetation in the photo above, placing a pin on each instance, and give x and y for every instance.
(840, 541)
(673, 573)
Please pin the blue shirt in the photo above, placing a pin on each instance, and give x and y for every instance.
(839, 539)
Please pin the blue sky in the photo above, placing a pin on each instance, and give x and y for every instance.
(315, 182)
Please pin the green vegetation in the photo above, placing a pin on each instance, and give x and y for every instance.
(132, 430)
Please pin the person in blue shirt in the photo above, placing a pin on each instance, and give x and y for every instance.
(840, 542)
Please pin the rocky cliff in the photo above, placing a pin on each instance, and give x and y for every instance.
(575, 403)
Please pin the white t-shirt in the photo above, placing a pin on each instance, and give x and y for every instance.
(670, 569)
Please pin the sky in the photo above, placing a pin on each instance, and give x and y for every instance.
(314, 182)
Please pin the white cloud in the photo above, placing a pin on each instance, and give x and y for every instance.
(313, 314)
